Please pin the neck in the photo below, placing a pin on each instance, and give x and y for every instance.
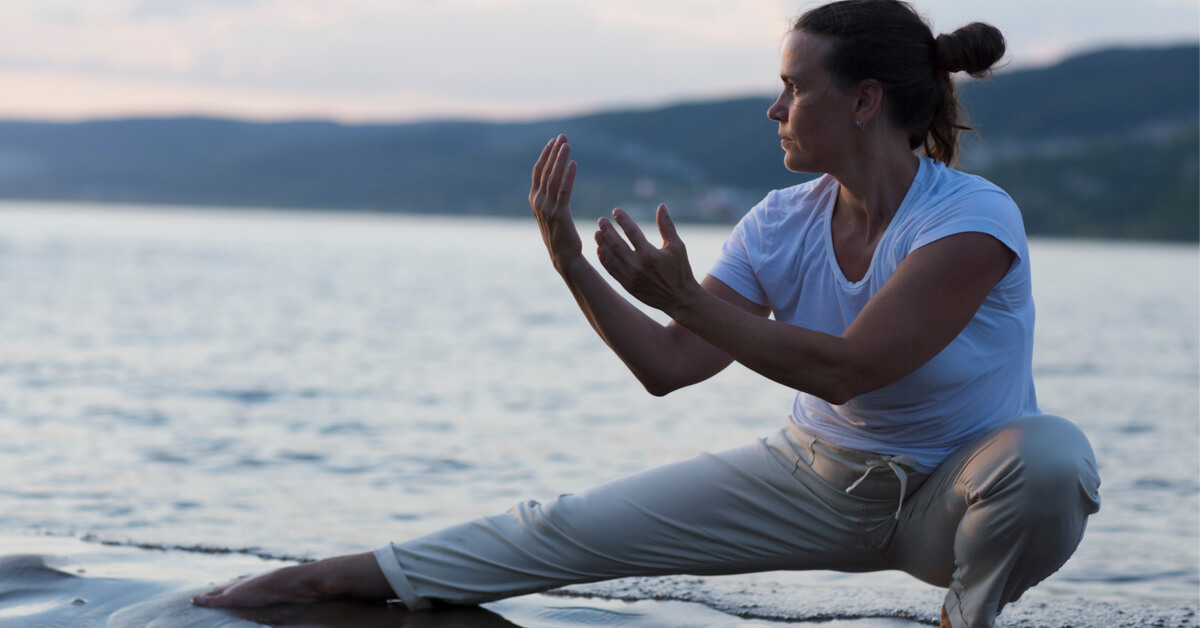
(871, 193)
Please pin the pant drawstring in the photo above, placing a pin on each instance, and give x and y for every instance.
(892, 462)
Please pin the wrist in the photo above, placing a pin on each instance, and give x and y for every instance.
(691, 303)
(567, 265)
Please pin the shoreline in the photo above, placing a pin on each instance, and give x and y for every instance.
(54, 580)
(51, 580)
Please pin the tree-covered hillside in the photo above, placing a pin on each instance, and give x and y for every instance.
(1102, 145)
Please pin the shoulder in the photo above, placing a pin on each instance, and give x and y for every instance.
(798, 203)
(950, 188)
(951, 201)
(786, 215)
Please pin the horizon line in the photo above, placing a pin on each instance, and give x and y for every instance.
(509, 115)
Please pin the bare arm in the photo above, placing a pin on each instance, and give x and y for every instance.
(662, 357)
(930, 298)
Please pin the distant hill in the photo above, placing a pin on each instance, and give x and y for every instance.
(1101, 145)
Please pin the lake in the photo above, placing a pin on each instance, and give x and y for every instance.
(307, 383)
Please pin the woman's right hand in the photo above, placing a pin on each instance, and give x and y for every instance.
(550, 198)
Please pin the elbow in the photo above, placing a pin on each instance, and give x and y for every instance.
(837, 396)
(844, 384)
(660, 384)
(658, 388)
(837, 392)
(660, 392)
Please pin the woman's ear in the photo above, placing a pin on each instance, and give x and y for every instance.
(868, 102)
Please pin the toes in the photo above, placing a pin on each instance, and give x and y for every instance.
(215, 594)
(204, 600)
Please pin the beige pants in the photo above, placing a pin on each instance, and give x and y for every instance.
(994, 519)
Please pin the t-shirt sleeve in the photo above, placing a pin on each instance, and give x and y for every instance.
(989, 211)
(735, 266)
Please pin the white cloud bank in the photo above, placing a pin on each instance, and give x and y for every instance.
(359, 60)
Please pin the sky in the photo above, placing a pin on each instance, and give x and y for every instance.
(399, 60)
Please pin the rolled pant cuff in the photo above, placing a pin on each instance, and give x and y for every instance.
(953, 606)
(386, 557)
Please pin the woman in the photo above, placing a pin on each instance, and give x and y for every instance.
(903, 317)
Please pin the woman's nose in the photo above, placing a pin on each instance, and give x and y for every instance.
(776, 111)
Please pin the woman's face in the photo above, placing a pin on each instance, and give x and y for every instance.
(815, 115)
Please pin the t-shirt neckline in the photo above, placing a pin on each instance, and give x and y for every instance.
(835, 267)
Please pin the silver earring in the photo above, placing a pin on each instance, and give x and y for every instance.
(859, 124)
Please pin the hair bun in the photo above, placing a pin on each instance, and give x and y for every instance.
(973, 49)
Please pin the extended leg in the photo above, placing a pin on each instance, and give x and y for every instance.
(742, 510)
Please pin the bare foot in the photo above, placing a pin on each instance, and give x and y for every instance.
(356, 576)
(282, 586)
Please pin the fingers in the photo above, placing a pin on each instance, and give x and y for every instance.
(620, 257)
(607, 256)
(608, 237)
(612, 250)
(632, 231)
(637, 242)
(541, 170)
(568, 184)
(552, 184)
(658, 277)
(541, 163)
(544, 168)
(553, 174)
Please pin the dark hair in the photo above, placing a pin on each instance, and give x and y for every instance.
(886, 40)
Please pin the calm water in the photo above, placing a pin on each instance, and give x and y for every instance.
(314, 383)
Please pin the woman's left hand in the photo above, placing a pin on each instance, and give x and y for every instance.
(659, 277)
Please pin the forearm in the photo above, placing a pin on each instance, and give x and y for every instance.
(919, 311)
(662, 357)
(799, 358)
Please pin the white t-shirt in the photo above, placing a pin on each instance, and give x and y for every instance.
(781, 255)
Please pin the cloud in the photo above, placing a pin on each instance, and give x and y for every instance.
(1040, 32)
(156, 9)
(56, 96)
(492, 57)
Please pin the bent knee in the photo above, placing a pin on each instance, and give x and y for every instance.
(1046, 463)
